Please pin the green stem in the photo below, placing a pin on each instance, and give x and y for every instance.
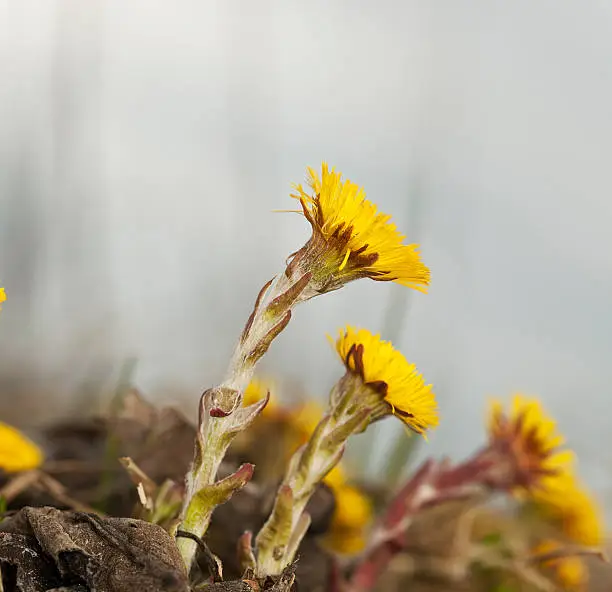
(217, 429)
(308, 467)
(196, 518)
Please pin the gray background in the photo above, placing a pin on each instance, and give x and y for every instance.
(143, 145)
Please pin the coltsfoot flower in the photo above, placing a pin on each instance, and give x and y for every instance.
(378, 382)
(528, 438)
(256, 391)
(352, 515)
(351, 239)
(2, 297)
(574, 510)
(387, 374)
(304, 419)
(568, 571)
(577, 516)
(17, 453)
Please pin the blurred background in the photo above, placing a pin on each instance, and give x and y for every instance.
(144, 145)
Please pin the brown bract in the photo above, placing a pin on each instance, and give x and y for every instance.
(528, 440)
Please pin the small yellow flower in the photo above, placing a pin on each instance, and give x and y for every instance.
(304, 419)
(574, 511)
(348, 528)
(570, 572)
(17, 453)
(335, 478)
(2, 297)
(352, 515)
(257, 390)
(352, 239)
(581, 518)
(387, 372)
(531, 441)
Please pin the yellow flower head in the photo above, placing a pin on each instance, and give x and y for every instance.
(574, 511)
(570, 572)
(2, 297)
(304, 419)
(530, 440)
(387, 372)
(335, 478)
(581, 518)
(256, 391)
(351, 517)
(17, 453)
(352, 238)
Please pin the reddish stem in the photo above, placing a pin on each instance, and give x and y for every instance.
(434, 483)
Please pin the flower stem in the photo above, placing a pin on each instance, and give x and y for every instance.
(309, 465)
(280, 536)
(221, 414)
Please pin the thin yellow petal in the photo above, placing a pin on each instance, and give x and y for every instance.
(368, 242)
(408, 396)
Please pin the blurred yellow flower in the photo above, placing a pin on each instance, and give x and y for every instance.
(581, 518)
(387, 372)
(17, 453)
(258, 389)
(352, 515)
(2, 297)
(532, 442)
(304, 419)
(354, 238)
(570, 572)
(576, 514)
(574, 511)
(336, 477)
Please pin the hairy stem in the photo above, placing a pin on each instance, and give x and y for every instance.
(221, 415)
(280, 536)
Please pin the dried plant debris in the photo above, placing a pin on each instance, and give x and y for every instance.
(45, 549)
(82, 471)
(160, 441)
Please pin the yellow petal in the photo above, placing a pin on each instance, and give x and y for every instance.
(17, 453)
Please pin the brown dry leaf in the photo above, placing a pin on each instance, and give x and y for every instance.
(83, 455)
(43, 549)
(160, 441)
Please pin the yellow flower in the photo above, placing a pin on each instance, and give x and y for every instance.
(531, 441)
(305, 418)
(579, 519)
(2, 297)
(352, 238)
(258, 389)
(574, 511)
(570, 571)
(17, 453)
(301, 419)
(335, 478)
(386, 371)
(352, 515)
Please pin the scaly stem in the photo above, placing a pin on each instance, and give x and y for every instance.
(221, 415)
(195, 515)
(310, 464)
(279, 538)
